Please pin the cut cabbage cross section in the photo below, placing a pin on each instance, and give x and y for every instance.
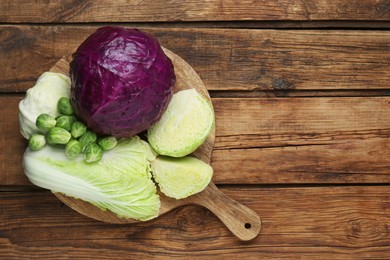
(184, 126)
(181, 177)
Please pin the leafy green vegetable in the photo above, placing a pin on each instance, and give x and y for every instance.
(184, 126)
(64, 106)
(120, 182)
(73, 148)
(45, 122)
(78, 129)
(87, 138)
(36, 142)
(58, 135)
(63, 128)
(42, 98)
(93, 153)
(181, 177)
(107, 143)
(65, 122)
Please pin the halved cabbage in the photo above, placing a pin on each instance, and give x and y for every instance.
(181, 177)
(184, 126)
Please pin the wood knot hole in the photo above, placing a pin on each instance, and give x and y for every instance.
(282, 84)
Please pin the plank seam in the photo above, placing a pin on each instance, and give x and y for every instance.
(252, 24)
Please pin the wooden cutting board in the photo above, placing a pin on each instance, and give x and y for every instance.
(242, 221)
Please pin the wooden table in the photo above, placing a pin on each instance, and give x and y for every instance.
(301, 94)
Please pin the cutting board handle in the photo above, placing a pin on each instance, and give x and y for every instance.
(243, 222)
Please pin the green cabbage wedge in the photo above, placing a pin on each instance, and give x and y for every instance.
(181, 177)
(120, 182)
(184, 126)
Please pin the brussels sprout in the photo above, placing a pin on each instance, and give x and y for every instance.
(65, 122)
(45, 122)
(87, 138)
(107, 143)
(58, 135)
(73, 148)
(93, 153)
(36, 142)
(78, 129)
(64, 107)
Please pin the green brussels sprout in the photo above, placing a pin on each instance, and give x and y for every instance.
(65, 122)
(36, 142)
(45, 122)
(87, 138)
(107, 143)
(78, 129)
(58, 135)
(73, 148)
(64, 107)
(93, 153)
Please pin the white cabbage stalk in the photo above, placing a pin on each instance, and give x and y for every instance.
(181, 177)
(120, 182)
(184, 126)
(42, 98)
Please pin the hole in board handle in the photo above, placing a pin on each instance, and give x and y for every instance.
(247, 225)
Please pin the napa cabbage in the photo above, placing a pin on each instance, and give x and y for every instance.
(120, 182)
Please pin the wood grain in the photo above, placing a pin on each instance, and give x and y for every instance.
(313, 223)
(288, 141)
(302, 140)
(270, 140)
(280, 61)
(176, 10)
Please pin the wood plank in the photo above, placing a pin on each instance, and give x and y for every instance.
(302, 140)
(12, 144)
(343, 222)
(269, 122)
(168, 11)
(226, 59)
(274, 140)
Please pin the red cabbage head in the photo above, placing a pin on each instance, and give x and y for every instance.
(121, 80)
